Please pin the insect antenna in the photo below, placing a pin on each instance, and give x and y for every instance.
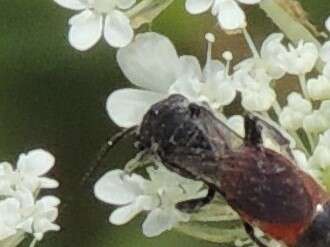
(112, 141)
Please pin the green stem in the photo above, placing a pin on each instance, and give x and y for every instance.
(13, 241)
(34, 242)
(292, 28)
(212, 234)
(146, 11)
(303, 87)
(250, 43)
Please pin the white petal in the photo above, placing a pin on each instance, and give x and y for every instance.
(249, 1)
(327, 24)
(6, 231)
(36, 162)
(126, 107)
(319, 88)
(325, 110)
(236, 123)
(44, 225)
(117, 29)
(112, 189)
(71, 4)
(5, 168)
(198, 6)
(290, 120)
(86, 30)
(10, 211)
(26, 225)
(125, 214)
(125, 4)
(315, 123)
(219, 91)
(150, 62)
(48, 183)
(231, 16)
(211, 69)
(158, 221)
(190, 67)
(189, 88)
(49, 201)
(325, 52)
(25, 198)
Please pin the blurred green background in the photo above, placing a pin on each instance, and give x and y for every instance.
(53, 97)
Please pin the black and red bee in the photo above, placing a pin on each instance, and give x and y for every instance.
(266, 188)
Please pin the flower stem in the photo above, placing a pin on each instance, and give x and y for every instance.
(250, 43)
(302, 82)
(277, 108)
(13, 241)
(300, 144)
(146, 11)
(210, 233)
(34, 242)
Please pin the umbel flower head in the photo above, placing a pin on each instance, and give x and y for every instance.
(21, 211)
(152, 64)
(99, 18)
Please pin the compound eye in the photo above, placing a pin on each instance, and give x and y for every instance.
(195, 110)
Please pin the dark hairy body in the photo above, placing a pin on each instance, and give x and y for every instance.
(265, 187)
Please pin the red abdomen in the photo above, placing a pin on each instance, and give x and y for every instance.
(269, 191)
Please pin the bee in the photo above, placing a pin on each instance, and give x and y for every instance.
(265, 187)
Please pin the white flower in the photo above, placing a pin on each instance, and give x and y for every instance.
(152, 63)
(118, 188)
(316, 122)
(293, 115)
(321, 155)
(20, 213)
(229, 13)
(319, 120)
(39, 216)
(299, 60)
(97, 18)
(29, 173)
(325, 52)
(32, 166)
(256, 93)
(8, 179)
(319, 88)
(158, 196)
(9, 217)
(267, 65)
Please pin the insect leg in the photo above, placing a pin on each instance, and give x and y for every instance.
(252, 130)
(250, 231)
(112, 141)
(194, 205)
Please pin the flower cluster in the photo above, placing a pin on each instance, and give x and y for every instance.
(174, 74)
(306, 116)
(157, 195)
(21, 211)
